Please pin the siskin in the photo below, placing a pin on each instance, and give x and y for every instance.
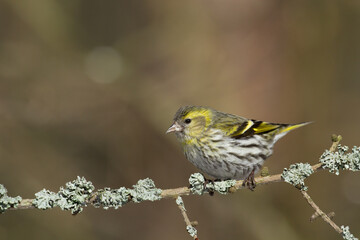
(226, 146)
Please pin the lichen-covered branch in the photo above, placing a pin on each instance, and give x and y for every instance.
(79, 193)
(335, 161)
(324, 163)
(7, 202)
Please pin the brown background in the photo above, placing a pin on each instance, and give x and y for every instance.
(89, 88)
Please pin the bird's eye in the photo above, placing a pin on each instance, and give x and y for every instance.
(188, 120)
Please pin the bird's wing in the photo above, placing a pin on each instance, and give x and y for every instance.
(256, 127)
(239, 127)
(252, 127)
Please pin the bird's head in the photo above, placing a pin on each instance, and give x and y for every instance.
(190, 122)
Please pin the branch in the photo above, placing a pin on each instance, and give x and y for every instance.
(79, 193)
(336, 140)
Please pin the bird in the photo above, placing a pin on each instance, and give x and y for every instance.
(226, 146)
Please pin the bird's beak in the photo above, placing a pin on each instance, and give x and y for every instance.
(174, 128)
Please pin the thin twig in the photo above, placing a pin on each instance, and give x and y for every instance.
(323, 215)
(181, 206)
(318, 212)
(313, 217)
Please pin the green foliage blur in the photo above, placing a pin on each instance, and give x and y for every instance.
(89, 88)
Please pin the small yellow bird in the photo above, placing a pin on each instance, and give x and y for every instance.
(226, 146)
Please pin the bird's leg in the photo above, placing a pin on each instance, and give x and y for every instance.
(250, 181)
(211, 192)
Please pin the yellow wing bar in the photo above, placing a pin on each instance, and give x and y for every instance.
(259, 127)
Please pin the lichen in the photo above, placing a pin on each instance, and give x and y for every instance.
(346, 233)
(45, 199)
(7, 202)
(3, 190)
(296, 174)
(180, 202)
(76, 194)
(145, 190)
(197, 183)
(112, 198)
(222, 187)
(72, 197)
(341, 159)
(191, 230)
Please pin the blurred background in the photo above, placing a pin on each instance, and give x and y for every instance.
(89, 88)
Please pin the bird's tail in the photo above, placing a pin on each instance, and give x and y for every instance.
(287, 128)
(290, 127)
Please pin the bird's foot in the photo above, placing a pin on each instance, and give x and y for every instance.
(211, 191)
(250, 181)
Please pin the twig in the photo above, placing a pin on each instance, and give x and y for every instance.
(189, 225)
(318, 212)
(316, 215)
(335, 143)
(24, 204)
(323, 215)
